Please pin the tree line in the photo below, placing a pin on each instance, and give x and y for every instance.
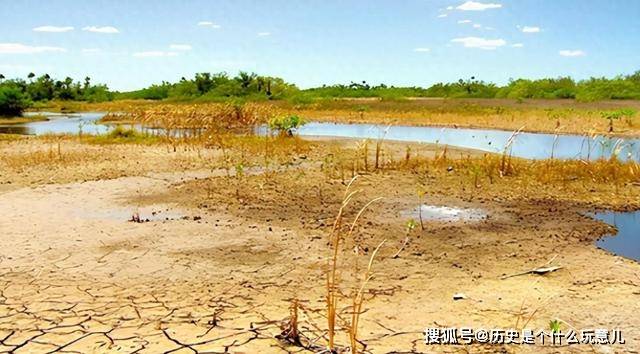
(18, 94)
(593, 89)
(216, 86)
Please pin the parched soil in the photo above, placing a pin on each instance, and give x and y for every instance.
(218, 264)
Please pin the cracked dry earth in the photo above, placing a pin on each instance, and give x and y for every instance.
(76, 276)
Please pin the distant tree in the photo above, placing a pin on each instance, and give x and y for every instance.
(41, 89)
(65, 89)
(204, 83)
(260, 83)
(245, 79)
(268, 91)
(12, 100)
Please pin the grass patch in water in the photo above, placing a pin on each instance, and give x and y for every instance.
(122, 135)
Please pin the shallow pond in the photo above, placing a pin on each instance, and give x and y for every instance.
(526, 145)
(72, 123)
(626, 242)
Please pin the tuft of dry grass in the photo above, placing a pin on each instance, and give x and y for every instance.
(336, 238)
(199, 117)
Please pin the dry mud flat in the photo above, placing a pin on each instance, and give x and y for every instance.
(213, 271)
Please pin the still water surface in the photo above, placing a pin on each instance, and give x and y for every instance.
(526, 145)
(626, 242)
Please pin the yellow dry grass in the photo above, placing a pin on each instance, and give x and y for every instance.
(551, 116)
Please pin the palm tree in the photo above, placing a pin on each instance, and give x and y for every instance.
(1, 77)
(31, 76)
(245, 79)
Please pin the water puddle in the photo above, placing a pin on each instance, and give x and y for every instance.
(626, 242)
(445, 214)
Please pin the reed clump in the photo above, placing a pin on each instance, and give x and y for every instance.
(197, 117)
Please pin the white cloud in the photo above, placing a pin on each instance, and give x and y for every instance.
(19, 48)
(572, 53)
(264, 34)
(442, 15)
(481, 43)
(477, 6)
(182, 47)
(477, 25)
(530, 29)
(464, 21)
(208, 24)
(449, 7)
(517, 45)
(53, 29)
(104, 29)
(422, 50)
(154, 54)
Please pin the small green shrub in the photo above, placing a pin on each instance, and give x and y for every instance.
(286, 124)
(628, 113)
(122, 135)
(119, 132)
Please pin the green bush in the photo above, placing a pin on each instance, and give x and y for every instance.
(122, 135)
(286, 124)
(119, 132)
(12, 101)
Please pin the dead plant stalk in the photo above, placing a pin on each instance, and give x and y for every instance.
(332, 282)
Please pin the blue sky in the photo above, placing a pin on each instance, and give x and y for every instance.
(130, 44)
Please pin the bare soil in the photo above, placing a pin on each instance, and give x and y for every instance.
(218, 263)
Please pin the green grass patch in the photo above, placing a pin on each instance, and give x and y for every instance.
(122, 135)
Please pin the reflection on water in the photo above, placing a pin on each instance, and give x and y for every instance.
(58, 124)
(626, 242)
(14, 129)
